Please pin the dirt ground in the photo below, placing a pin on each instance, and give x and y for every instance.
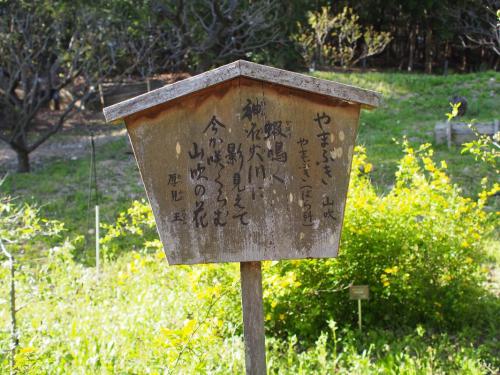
(73, 142)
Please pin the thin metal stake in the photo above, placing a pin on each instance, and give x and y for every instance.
(97, 255)
(94, 175)
(14, 343)
(359, 315)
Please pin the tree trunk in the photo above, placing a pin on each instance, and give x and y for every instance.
(428, 50)
(23, 161)
(463, 65)
(411, 52)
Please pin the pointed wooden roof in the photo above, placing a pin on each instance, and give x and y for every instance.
(241, 68)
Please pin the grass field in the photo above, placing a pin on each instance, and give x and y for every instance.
(143, 317)
(412, 104)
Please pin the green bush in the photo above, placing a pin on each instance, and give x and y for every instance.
(134, 229)
(24, 232)
(418, 248)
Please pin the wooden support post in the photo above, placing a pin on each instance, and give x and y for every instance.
(253, 318)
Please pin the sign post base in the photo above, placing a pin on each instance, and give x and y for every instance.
(253, 318)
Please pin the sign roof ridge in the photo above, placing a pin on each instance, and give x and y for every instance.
(242, 68)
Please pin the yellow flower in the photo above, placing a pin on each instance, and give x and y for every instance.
(122, 276)
(132, 267)
(27, 350)
(166, 331)
(390, 270)
(188, 328)
(385, 280)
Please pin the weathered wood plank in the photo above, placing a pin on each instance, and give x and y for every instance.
(253, 318)
(310, 84)
(278, 162)
(458, 133)
(241, 68)
(113, 93)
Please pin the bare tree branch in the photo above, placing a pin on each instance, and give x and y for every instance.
(43, 53)
(480, 26)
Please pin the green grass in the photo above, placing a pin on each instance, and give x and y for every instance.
(412, 104)
(142, 317)
(62, 186)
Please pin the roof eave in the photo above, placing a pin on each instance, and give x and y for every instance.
(366, 98)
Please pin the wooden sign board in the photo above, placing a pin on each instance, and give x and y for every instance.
(246, 162)
(359, 292)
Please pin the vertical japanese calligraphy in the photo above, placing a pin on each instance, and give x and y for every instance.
(246, 173)
(243, 170)
(326, 162)
(176, 195)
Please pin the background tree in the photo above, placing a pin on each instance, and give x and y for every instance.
(47, 54)
(427, 34)
(204, 33)
(480, 26)
(330, 40)
(53, 50)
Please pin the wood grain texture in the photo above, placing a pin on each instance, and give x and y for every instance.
(282, 197)
(114, 93)
(240, 68)
(253, 318)
(459, 132)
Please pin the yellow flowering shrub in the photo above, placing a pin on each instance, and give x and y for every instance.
(418, 248)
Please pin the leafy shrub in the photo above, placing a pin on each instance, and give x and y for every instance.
(418, 248)
(138, 316)
(22, 234)
(22, 229)
(338, 40)
(134, 229)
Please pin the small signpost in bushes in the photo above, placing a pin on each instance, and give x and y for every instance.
(246, 163)
(359, 292)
